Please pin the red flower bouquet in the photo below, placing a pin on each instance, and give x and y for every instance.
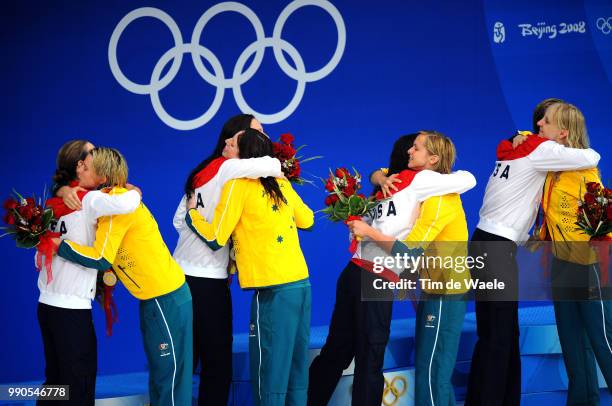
(28, 223)
(290, 162)
(595, 212)
(343, 202)
(595, 220)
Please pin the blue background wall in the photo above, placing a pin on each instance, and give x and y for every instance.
(406, 66)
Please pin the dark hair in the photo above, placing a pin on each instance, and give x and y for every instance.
(399, 155)
(235, 124)
(67, 159)
(398, 161)
(254, 144)
(540, 111)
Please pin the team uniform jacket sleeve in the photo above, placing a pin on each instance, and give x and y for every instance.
(100, 256)
(550, 156)
(252, 168)
(433, 218)
(179, 216)
(428, 183)
(99, 204)
(304, 216)
(227, 214)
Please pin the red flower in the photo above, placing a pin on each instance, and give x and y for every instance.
(593, 187)
(348, 191)
(341, 172)
(331, 199)
(607, 193)
(295, 171)
(25, 212)
(287, 138)
(10, 204)
(329, 186)
(598, 212)
(589, 199)
(288, 151)
(37, 220)
(9, 219)
(30, 202)
(609, 213)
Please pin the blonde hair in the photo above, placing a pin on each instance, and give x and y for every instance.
(109, 162)
(569, 117)
(439, 144)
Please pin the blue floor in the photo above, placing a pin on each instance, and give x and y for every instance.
(544, 380)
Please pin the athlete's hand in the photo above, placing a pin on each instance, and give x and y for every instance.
(518, 140)
(388, 184)
(56, 242)
(129, 186)
(70, 197)
(191, 202)
(359, 228)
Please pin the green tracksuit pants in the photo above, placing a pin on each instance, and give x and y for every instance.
(167, 332)
(584, 327)
(279, 335)
(438, 329)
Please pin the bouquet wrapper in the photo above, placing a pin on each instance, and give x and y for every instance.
(110, 309)
(369, 266)
(602, 247)
(355, 241)
(107, 284)
(46, 248)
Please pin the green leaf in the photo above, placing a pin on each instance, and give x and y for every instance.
(47, 217)
(356, 205)
(26, 242)
(327, 210)
(307, 181)
(18, 196)
(341, 210)
(311, 158)
(586, 219)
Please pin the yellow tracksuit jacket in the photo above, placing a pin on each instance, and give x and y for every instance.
(133, 246)
(560, 205)
(264, 234)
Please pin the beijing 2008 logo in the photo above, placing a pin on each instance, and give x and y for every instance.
(499, 33)
(217, 78)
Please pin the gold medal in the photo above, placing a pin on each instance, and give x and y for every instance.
(109, 278)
